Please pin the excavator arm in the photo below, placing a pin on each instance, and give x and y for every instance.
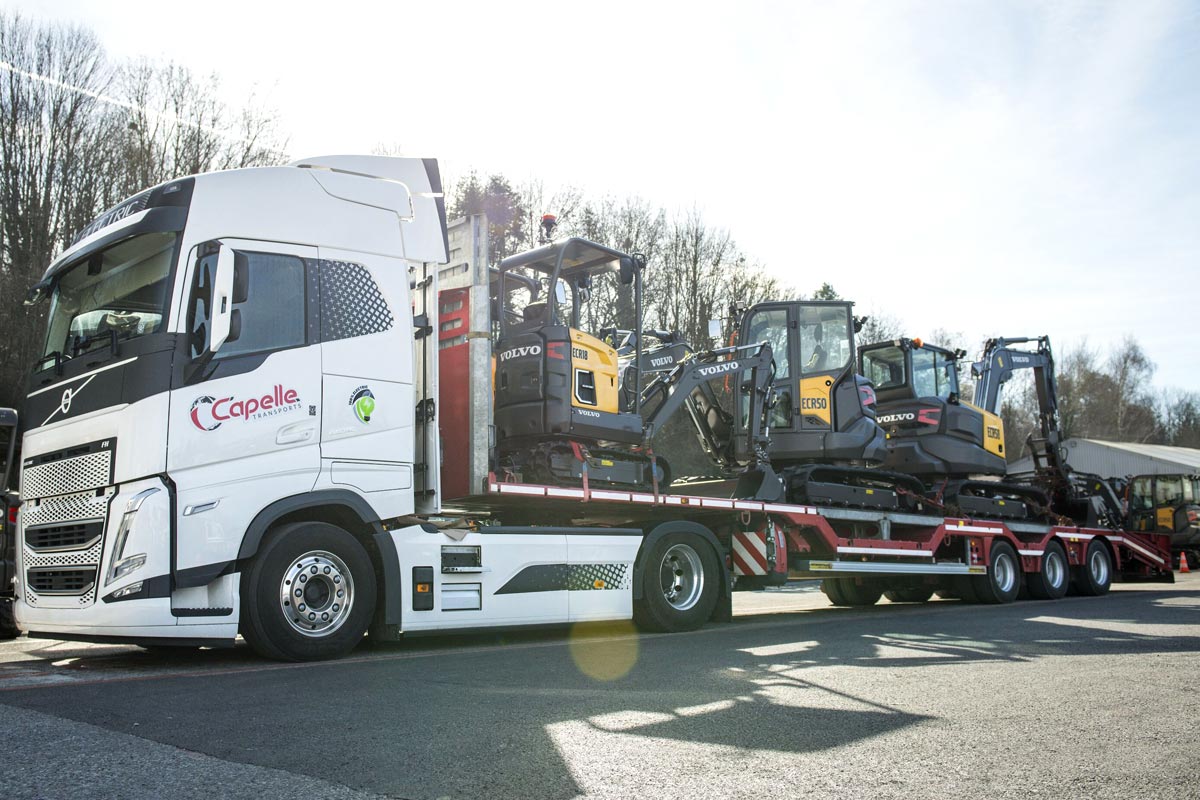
(996, 366)
(689, 385)
(1080, 495)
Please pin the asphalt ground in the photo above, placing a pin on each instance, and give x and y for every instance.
(1083, 697)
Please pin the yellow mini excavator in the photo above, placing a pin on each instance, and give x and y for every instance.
(570, 411)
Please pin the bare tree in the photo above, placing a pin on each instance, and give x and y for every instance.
(49, 140)
(176, 125)
(76, 136)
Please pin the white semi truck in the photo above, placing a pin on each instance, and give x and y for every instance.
(234, 429)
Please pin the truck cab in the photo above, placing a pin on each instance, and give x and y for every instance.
(223, 351)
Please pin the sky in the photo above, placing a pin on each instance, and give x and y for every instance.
(990, 168)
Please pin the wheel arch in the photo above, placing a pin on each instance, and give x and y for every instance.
(352, 513)
(339, 507)
(688, 527)
(1114, 560)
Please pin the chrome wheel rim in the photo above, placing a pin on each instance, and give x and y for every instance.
(1004, 573)
(1054, 570)
(681, 575)
(316, 594)
(1098, 566)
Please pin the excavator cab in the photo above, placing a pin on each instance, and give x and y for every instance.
(556, 385)
(931, 431)
(1167, 504)
(552, 377)
(823, 410)
(824, 440)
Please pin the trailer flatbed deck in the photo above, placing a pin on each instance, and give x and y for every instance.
(781, 540)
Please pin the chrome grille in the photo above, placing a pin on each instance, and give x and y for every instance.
(82, 507)
(73, 536)
(62, 559)
(67, 475)
(63, 513)
(63, 580)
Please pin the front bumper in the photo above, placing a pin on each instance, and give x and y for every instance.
(96, 565)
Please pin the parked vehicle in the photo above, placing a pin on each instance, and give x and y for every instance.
(236, 427)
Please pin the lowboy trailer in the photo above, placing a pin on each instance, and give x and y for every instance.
(239, 425)
(862, 554)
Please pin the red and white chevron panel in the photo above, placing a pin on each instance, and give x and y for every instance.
(750, 553)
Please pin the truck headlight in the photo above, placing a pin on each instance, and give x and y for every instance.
(121, 565)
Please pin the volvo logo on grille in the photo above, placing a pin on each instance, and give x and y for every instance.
(65, 405)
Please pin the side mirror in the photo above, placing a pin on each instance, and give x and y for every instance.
(560, 293)
(222, 310)
(626, 270)
(714, 329)
(241, 280)
(235, 326)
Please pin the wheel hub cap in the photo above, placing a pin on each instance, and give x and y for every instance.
(681, 576)
(316, 593)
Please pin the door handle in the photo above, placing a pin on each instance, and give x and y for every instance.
(296, 432)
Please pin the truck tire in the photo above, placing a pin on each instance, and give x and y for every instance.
(1054, 578)
(964, 589)
(832, 587)
(912, 593)
(680, 582)
(1002, 583)
(8, 622)
(309, 593)
(849, 592)
(1094, 576)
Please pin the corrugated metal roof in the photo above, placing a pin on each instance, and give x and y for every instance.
(1118, 459)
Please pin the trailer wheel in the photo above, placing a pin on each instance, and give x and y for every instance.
(964, 589)
(832, 587)
(309, 594)
(679, 585)
(1094, 577)
(849, 592)
(1002, 583)
(1054, 578)
(913, 593)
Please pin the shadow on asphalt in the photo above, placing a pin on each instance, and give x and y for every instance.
(454, 715)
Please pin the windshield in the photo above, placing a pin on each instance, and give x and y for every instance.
(123, 288)
(1172, 490)
(933, 374)
(884, 367)
(825, 338)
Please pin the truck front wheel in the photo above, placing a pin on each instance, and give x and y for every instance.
(309, 594)
(8, 622)
(679, 585)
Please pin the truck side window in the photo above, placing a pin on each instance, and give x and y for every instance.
(273, 315)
